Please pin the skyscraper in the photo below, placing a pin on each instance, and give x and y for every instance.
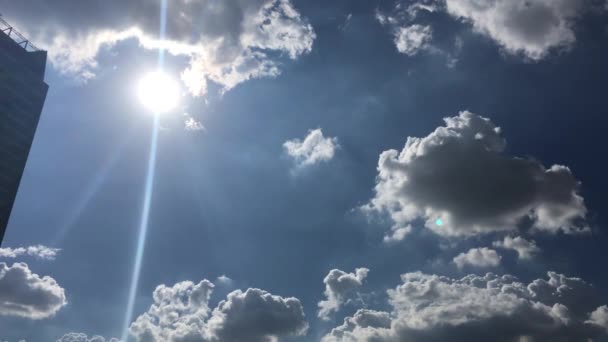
(22, 95)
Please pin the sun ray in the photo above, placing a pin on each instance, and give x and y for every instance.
(145, 214)
(143, 229)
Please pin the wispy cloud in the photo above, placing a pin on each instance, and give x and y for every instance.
(80, 337)
(38, 251)
(191, 124)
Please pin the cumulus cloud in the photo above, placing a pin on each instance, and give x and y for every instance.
(339, 288)
(460, 182)
(226, 42)
(599, 317)
(525, 249)
(26, 294)
(38, 251)
(80, 337)
(532, 28)
(478, 257)
(256, 315)
(475, 308)
(364, 324)
(315, 148)
(182, 313)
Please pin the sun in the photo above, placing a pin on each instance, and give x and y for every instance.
(158, 92)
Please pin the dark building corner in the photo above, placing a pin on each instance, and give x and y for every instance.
(22, 95)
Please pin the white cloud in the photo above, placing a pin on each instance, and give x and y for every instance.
(363, 325)
(460, 182)
(478, 257)
(532, 28)
(79, 337)
(347, 21)
(339, 288)
(314, 149)
(398, 234)
(424, 6)
(525, 249)
(26, 294)
(276, 27)
(182, 313)
(411, 39)
(172, 311)
(227, 42)
(475, 308)
(191, 124)
(38, 251)
(599, 317)
(223, 279)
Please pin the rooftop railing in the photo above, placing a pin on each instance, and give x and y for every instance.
(16, 36)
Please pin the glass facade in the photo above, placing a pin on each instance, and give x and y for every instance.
(22, 95)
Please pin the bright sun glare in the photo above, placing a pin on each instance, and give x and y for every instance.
(158, 92)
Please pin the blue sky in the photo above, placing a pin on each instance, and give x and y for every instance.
(341, 83)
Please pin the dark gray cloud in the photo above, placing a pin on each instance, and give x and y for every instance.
(339, 288)
(182, 313)
(80, 337)
(228, 42)
(459, 180)
(256, 315)
(26, 294)
(476, 308)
